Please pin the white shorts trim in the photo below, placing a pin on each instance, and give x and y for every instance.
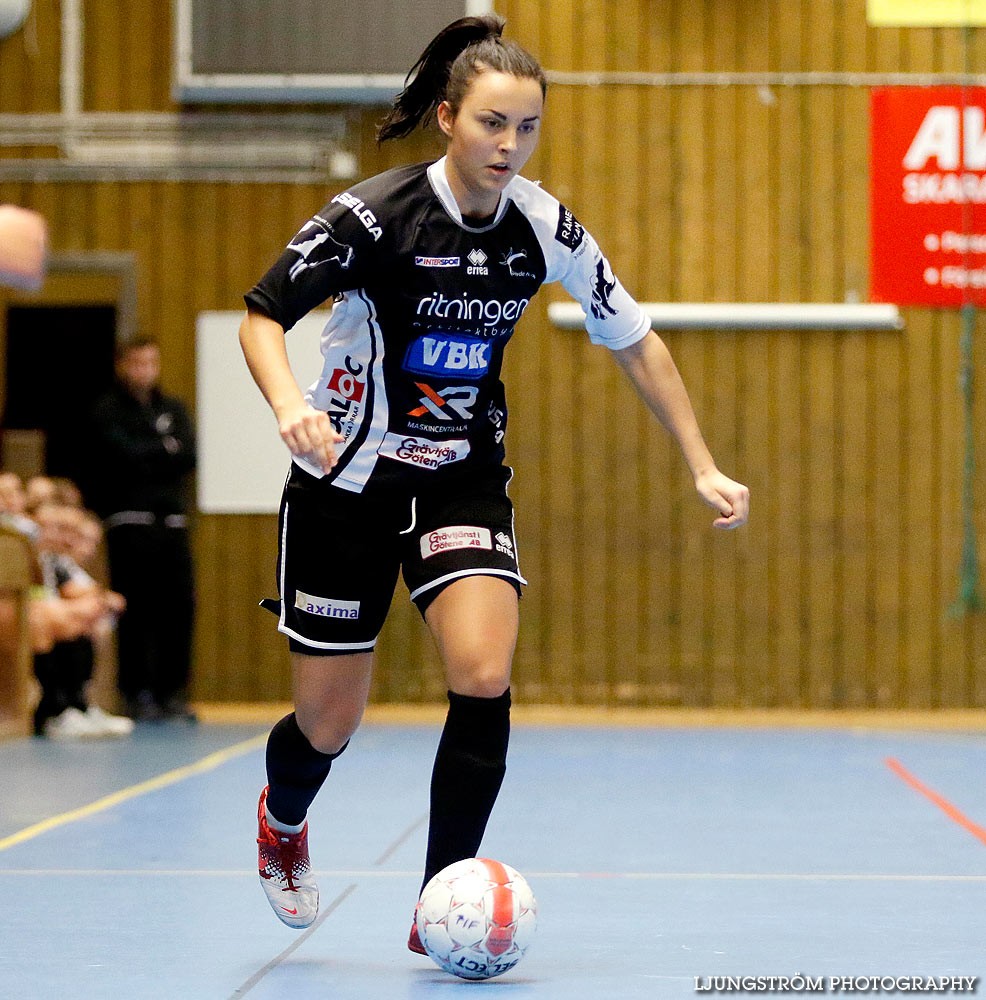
(478, 571)
(356, 647)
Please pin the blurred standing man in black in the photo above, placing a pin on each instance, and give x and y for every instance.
(144, 452)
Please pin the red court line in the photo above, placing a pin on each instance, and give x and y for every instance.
(946, 807)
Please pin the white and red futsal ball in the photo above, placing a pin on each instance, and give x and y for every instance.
(476, 918)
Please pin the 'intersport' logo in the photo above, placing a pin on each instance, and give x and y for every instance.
(422, 452)
(436, 261)
(325, 607)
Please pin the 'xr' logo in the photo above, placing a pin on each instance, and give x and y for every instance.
(459, 398)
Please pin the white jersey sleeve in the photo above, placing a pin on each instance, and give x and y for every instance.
(612, 317)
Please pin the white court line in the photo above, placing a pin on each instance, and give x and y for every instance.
(620, 876)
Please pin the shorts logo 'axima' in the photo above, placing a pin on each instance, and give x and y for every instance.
(460, 355)
(457, 536)
(422, 452)
(325, 607)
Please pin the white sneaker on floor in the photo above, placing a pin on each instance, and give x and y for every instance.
(286, 872)
(108, 725)
(71, 725)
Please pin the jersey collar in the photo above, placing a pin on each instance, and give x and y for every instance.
(440, 185)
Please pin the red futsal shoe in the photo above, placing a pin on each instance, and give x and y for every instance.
(414, 939)
(286, 872)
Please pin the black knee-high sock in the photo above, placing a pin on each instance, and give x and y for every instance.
(295, 771)
(469, 769)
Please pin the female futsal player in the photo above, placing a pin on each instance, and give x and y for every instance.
(398, 446)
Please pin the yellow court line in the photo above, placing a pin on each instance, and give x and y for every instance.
(214, 760)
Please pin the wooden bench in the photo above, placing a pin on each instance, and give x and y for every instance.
(17, 684)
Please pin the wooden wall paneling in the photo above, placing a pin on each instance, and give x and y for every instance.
(920, 666)
(690, 159)
(599, 411)
(210, 623)
(559, 403)
(884, 367)
(952, 49)
(884, 49)
(920, 613)
(230, 608)
(853, 48)
(723, 356)
(648, 671)
(623, 503)
(688, 348)
(785, 502)
(819, 411)
(757, 261)
(723, 352)
(955, 687)
(40, 39)
(14, 71)
(105, 209)
(851, 602)
(976, 623)
(145, 58)
(73, 220)
(136, 66)
(822, 413)
(785, 23)
(104, 82)
(10, 194)
(658, 473)
(216, 635)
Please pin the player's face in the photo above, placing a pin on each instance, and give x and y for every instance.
(491, 138)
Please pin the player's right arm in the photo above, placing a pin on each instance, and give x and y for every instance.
(306, 431)
(331, 253)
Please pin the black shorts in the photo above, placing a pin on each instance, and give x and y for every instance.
(339, 554)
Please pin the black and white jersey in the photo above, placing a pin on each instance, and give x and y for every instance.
(425, 304)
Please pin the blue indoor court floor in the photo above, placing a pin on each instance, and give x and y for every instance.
(657, 855)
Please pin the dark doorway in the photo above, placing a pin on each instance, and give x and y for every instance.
(59, 361)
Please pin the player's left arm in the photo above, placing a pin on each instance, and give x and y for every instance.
(650, 367)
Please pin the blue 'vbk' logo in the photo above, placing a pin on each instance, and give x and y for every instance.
(440, 354)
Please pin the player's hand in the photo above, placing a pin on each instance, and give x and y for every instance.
(721, 493)
(310, 435)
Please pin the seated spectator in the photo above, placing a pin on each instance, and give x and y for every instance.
(39, 490)
(67, 494)
(13, 505)
(65, 670)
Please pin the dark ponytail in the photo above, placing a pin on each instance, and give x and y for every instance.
(446, 68)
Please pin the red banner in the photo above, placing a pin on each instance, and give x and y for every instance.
(928, 195)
